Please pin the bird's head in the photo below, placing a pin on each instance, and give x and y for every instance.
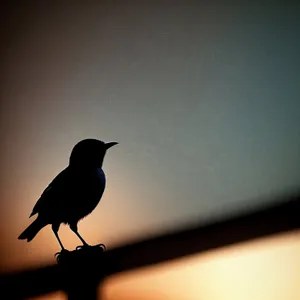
(89, 153)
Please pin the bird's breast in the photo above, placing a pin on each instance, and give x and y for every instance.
(100, 177)
(89, 190)
(95, 185)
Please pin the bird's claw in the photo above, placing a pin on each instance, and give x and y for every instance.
(63, 251)
(83, 247)
(59, 255)
(101, 246)
(86, 246)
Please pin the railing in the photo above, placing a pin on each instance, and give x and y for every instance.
(80, 278)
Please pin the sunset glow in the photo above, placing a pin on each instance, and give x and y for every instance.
(204, 102)
(268, 269)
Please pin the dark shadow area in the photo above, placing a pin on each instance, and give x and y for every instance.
(82, 255)
(81, 271)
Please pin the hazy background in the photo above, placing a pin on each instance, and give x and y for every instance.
(203, 99)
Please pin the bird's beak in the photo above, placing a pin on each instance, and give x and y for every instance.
(110, 144)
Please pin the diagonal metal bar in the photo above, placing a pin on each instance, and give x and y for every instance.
(282, 216)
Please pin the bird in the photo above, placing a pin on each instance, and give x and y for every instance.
(74, 193)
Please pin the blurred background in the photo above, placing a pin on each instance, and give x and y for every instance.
(204, 101)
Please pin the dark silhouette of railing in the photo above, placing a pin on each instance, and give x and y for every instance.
(81, 275)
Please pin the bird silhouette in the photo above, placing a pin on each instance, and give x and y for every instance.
(74, 193)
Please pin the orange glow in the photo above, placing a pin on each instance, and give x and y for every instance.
(104, 225)
(53, 296)
(204, 102)
(268, 269)
(261, 270)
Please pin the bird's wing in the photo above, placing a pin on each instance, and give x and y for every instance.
(57, 185)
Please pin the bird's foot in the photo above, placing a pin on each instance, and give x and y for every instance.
(102, 246)
(61, 254)
(63, 251)
(86, 246)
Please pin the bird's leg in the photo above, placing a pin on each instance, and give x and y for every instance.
(74, 228)
(55, 228)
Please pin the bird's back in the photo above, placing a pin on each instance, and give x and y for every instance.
(73, 194)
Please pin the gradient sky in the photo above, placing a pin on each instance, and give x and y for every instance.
(203, 99)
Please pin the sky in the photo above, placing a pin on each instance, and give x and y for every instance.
(203, 99)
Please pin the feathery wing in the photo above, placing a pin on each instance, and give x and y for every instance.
(57, 186)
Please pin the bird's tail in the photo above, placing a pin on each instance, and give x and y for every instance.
(31, 231)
